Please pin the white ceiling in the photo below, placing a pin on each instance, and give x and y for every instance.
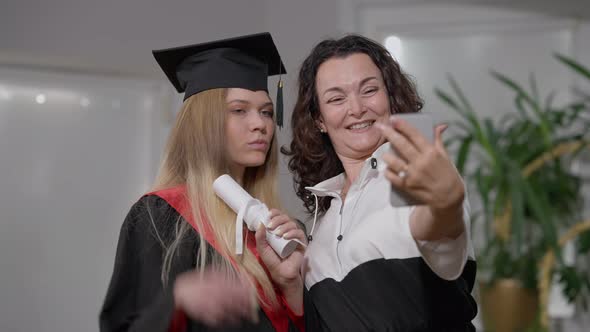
(564, 8)
(116, 37)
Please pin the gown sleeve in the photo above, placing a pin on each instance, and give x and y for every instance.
(136, 299)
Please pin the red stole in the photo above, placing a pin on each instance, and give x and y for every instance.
(177, 198)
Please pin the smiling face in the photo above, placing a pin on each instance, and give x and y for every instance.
(352, 97)
(249, 128)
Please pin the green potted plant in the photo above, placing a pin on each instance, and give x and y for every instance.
(519, 167)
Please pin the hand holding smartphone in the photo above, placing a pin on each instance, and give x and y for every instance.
(425, 125)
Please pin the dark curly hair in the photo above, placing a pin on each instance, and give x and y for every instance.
(312, 156)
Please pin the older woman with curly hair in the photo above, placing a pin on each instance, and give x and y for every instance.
(372, 266)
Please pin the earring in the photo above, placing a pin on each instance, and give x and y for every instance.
(322, 131)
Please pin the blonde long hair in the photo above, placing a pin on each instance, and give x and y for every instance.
(195, 155)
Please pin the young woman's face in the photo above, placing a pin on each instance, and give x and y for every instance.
(249, 127)
(352, 98)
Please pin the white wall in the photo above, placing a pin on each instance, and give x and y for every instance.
(469, 42)
(57, 237)
(70, 170)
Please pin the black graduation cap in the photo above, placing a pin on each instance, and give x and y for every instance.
(240, 62)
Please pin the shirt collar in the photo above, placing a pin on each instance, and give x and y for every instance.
(333, 186)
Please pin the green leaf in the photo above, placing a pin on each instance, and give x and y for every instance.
(519, 102)
(464, 126)
(575, 66)
(528, 99)
(447, 99)
(511, 84)
(538, 209)
(463, 153)
(549, 100)
(534, 89)
(583, 244)
(460, 95)
(517, 201)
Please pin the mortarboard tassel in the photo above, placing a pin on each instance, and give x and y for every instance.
(280, 104)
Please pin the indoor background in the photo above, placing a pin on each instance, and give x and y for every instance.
(85, 110)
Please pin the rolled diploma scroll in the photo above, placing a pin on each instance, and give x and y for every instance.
(252, 212)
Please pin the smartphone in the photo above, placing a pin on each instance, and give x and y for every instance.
(425, 125)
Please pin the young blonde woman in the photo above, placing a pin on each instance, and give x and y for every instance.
(176, 267)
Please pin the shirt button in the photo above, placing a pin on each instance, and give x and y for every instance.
(339, 237)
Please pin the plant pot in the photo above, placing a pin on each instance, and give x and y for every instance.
(506, 306)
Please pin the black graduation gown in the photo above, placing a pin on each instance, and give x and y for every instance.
(136, 299)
